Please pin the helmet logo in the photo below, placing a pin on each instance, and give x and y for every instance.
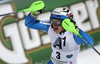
(54, 15)
(69, 14)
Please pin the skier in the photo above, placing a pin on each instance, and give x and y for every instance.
(65, 45)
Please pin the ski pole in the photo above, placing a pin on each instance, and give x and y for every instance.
(69, 26)
(38, 5)
(89, 44)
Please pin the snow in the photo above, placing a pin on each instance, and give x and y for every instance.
(89, 56)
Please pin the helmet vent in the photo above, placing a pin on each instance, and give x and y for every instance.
(67, 10)
(64, 8)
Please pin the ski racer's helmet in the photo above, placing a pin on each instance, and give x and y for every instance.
(60, 14)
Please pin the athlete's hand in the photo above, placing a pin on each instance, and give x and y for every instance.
(38, 8)
(69, 26)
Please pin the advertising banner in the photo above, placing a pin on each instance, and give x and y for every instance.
(21, 45)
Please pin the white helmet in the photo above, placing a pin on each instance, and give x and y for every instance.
(61, 13)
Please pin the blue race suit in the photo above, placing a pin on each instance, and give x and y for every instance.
(73, 41)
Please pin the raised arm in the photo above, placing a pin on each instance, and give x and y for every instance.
(86, 36)
(80, 36)
(31, 22)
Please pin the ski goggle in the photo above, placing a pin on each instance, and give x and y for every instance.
(56, 21)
